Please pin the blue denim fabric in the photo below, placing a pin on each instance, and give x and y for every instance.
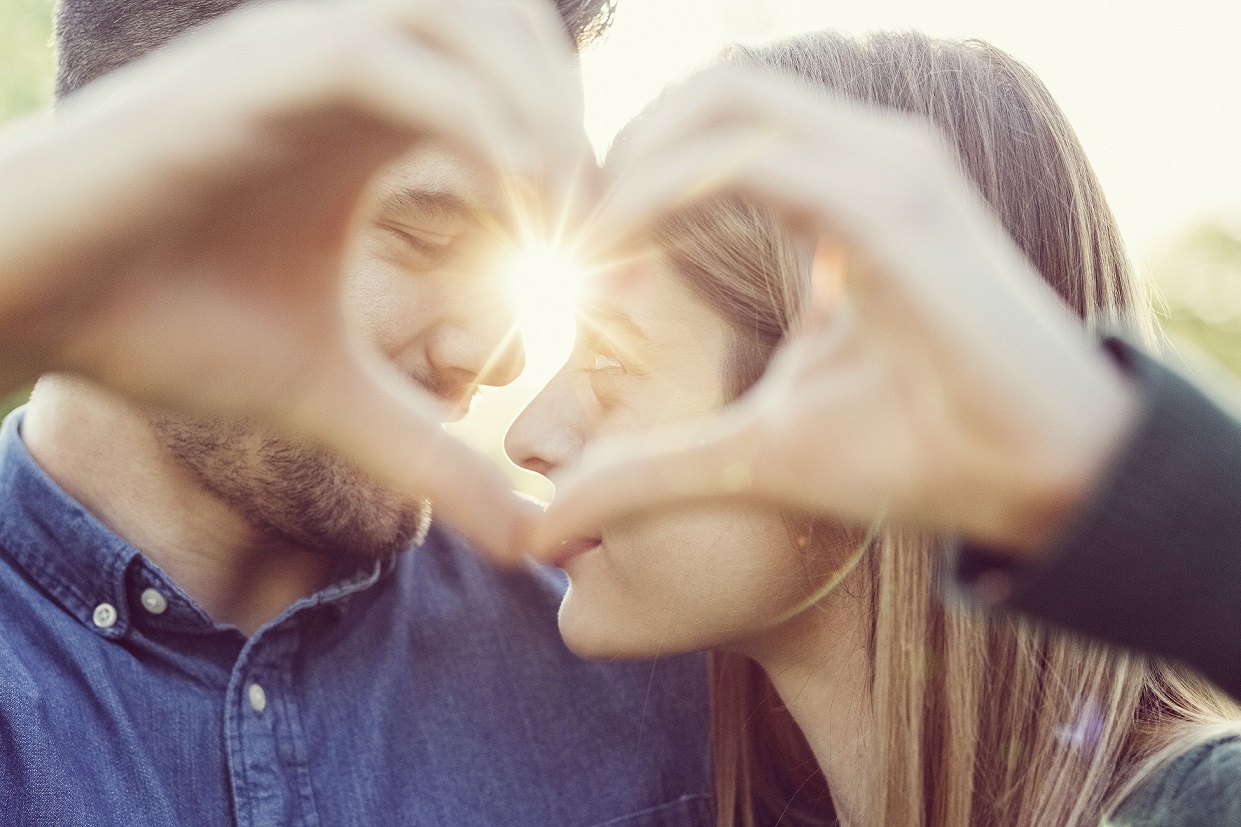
(1201, 788)
(428, 690)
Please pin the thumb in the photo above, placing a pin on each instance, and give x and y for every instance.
(391, 428)
(711, 459)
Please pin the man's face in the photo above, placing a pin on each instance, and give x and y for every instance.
(423, 286)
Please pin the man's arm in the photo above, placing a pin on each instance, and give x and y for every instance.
(178, 232)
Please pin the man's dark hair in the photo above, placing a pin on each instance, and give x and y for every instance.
(93, 37)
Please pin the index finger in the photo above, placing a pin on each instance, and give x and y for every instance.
(712, 459)
(520, 49)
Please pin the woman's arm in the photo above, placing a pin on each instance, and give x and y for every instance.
(937, 381)
(941, 385)
(1151, 559)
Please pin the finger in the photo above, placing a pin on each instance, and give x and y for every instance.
(378, 420)
(673, 178)
(363, 55)
(711, 459)
(448, 102)
(519, 49)
(758, 109)
(817, 137)
(821, 193)
(718, 98)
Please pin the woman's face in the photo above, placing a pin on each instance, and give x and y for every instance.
(651, 353)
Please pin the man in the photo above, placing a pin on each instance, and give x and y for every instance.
(178, 232)
(208, 623)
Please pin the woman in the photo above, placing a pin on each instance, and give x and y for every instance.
(844, 690)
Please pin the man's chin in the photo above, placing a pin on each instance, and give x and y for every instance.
(293, 493)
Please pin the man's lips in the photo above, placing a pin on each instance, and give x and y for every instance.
(574, 548)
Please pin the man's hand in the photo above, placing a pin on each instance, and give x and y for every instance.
(937, 380)
(179, 233)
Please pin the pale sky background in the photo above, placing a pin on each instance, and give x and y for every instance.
(1153, 88)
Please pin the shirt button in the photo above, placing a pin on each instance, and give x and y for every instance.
(258, 698)
(105, 615)
(154, 602)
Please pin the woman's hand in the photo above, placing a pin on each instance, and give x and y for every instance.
(937, 380)
(178, 234)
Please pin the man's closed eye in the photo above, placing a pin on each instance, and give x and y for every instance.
(419, 249)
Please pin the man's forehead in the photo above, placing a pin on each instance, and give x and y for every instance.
(446, 176)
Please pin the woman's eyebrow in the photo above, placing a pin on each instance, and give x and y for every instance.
(610, 320)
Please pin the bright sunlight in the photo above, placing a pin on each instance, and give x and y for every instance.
(546, 283)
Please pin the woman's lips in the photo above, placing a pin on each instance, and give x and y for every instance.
(574, 548)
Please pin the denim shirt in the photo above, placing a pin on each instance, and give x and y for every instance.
(426, 690)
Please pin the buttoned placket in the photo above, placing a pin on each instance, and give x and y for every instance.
(266, 740)
(264, 736)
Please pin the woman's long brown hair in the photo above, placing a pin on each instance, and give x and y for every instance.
(977, 719)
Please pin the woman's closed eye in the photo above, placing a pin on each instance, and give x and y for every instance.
(608, 355)
(600, 353)
(605, 370)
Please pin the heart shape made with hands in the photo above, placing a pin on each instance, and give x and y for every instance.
(204, 268)
(935, 380)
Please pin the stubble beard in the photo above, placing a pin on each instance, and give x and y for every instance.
(291, 493)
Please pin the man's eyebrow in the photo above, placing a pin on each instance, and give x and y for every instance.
(433, 204)
(605, 319)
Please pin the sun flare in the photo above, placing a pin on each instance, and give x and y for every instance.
(546, 284)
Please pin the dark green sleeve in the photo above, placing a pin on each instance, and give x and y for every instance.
(1153, 561)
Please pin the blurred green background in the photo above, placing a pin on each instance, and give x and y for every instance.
(25, 78)
(25, 49)
(1197, 291)
(1195, 280)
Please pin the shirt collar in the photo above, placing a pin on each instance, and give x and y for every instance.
(93, 573)
(64, 548)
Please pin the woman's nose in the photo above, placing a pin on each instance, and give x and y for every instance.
(552, 429)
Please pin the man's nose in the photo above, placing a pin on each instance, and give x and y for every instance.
(505, 361)
(551, 431)
(479, 343)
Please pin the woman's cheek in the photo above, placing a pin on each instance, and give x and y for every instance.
(644, 403)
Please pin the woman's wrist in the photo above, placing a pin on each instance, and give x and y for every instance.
(1042, 489)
